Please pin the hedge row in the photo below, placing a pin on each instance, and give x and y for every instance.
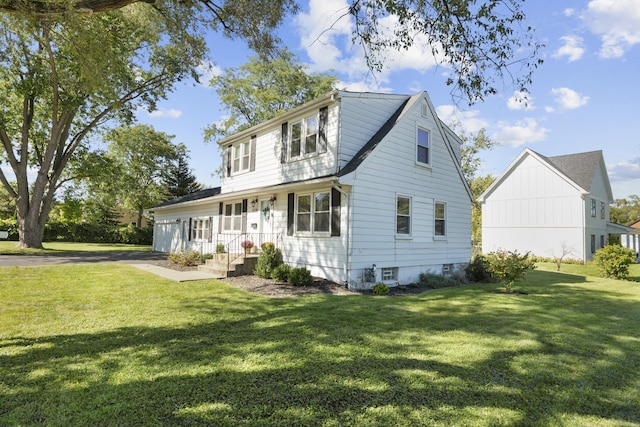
(86, 233)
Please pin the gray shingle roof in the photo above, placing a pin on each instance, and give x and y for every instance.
(198, 195)
(580, 167)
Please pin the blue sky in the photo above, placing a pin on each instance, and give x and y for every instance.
(584, 97)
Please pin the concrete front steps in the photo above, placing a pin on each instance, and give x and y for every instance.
(242, 265)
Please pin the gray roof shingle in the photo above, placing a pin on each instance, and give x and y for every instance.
(580, 167)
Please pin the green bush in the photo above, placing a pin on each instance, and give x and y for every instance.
(436, 281)
(11, 226)
(281, 273)
(299, 277)
(478, 270)
(205, 257)
(133, 235)
(380, 289)
(221, 249)
(614, 260)
(509, 266)
(185, 259)
(269, 259)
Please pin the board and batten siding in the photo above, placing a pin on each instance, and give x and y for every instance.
(534, 209)
(391, 170)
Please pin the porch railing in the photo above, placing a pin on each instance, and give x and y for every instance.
(234, 246)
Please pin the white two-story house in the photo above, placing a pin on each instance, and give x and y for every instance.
(359, 188)
(550, 206)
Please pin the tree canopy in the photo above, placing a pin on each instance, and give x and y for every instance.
(264, 88)
(64, 76)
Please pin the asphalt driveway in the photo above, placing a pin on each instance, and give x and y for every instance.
(127, 257)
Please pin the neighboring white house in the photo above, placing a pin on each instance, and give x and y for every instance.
(631, 239)
(549, 206)
(357, 187)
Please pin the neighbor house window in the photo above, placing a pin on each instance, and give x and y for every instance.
(403, 215)
(200, 229)
(313, 213)
(593, 243)
(593, 208)
(602, 211)
(304, 137)
(601, 241)
(423, 146)
(232, 217)
(440, 217)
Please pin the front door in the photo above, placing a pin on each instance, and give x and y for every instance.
(266, 218)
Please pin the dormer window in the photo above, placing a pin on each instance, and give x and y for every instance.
(241, 157)
(304, 137)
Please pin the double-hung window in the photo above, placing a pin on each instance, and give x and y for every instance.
(313, 213)
(304, 137)
(422, 147)
(602, 210)
(200, 229)
(240, 157)
(593, 208)
(440, 218)
(232, 217)
(403, 215)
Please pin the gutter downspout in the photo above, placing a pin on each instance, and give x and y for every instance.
(347, 234)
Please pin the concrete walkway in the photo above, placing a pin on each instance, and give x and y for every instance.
(176, 276)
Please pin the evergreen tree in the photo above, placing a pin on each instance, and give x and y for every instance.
(180, 180)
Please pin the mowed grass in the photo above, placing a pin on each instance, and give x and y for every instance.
(10, 248)
(112, 345)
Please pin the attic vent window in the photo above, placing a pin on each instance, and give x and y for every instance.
(425, 110)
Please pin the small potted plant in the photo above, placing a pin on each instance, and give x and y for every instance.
(247, 245)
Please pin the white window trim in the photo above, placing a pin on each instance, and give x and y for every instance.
(312, 214)
(303, 136)
(440, 236)
(429, 148)
(395, 222)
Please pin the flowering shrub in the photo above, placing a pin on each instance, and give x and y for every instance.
(247, 244)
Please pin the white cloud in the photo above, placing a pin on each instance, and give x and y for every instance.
(165, 113)
(522, 132)
(207, 71)
(520, 101)
(470, 120)
(617, 22)
(625, 170)
(573, 48)
(325, 31)
(569, 12)
(569, 99)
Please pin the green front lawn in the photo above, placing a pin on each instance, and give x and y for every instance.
(112, 345)
(9, 248)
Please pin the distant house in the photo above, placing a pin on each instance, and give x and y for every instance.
(550, 205)
(631, 239)
(357, 187)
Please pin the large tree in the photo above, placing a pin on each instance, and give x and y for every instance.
(65, 72)
(481, 40)
(263, 88)
(142, 158)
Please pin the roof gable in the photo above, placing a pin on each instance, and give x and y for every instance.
(577, 169)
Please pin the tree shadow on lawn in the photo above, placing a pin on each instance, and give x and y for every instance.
(470, 357)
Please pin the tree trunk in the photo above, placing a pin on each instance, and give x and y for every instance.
(31, 231)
